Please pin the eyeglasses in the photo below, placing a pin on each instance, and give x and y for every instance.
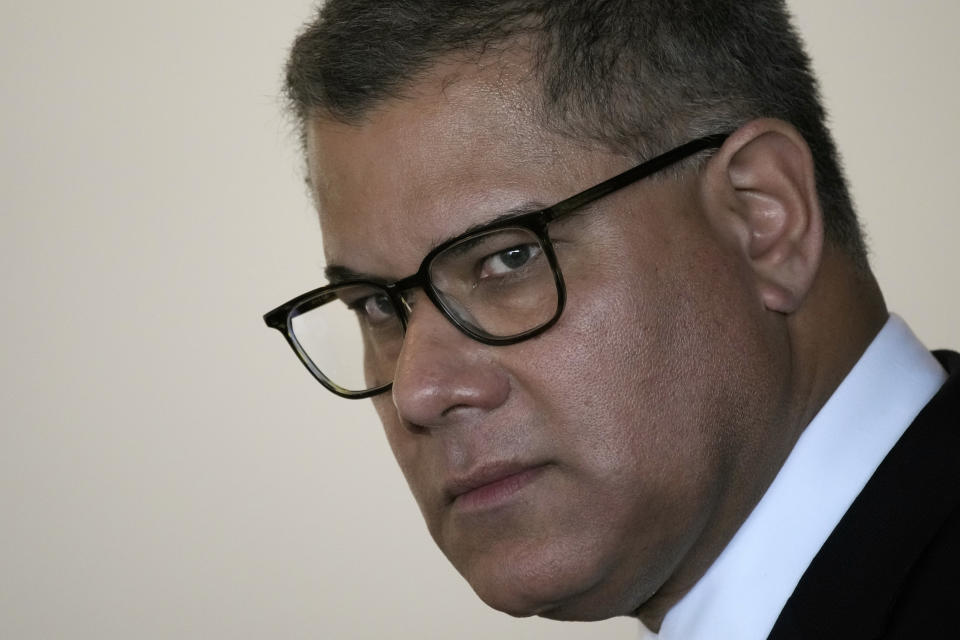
(499, 284)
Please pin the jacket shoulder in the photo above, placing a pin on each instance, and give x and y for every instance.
(890, 567)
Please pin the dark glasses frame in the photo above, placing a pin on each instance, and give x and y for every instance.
(536, 221)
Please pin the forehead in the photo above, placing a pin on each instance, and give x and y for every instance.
(462, 146)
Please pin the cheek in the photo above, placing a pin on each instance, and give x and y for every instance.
(633, 379)
(627, 391)
(402, 442)
(417, 465)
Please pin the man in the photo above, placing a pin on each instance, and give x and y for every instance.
(596, 264)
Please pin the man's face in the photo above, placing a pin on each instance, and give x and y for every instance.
(577, 473)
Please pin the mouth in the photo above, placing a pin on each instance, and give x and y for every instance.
(491, 485)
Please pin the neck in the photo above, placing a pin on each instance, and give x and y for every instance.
(843, 314)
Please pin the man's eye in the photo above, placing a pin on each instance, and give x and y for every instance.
(375, 309)
(509, 260)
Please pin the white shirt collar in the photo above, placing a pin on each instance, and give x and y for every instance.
(741, 595)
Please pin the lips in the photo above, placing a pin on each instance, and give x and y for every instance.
(491, 485)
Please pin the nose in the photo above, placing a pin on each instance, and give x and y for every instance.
(444, 377)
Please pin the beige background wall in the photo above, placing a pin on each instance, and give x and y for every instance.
(167, 470)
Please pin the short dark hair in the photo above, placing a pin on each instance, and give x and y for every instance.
(637, 76)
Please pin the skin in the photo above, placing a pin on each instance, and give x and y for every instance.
(706, 323)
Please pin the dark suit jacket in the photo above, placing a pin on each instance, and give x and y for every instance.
(891, 567)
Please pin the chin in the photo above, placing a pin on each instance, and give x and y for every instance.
(554, 585)
(562, 606)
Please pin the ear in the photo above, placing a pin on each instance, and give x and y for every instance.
(761, 193)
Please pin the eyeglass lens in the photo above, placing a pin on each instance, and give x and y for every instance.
(494, 285)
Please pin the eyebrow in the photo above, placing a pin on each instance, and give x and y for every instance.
(337, 273)
(527, 207)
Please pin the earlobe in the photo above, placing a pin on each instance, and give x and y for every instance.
(763, 187)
